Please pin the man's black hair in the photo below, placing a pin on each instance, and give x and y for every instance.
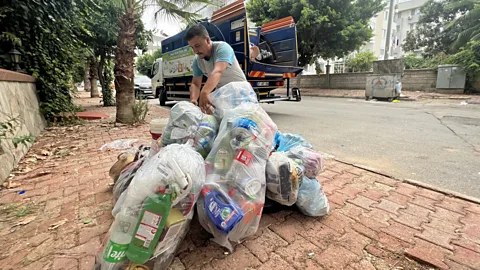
(196, 30)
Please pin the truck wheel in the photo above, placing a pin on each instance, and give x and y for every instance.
(162, 97)
(296, 94)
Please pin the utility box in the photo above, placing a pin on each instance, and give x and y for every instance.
(385, 82)
(451, 77)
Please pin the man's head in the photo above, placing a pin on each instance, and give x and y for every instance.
(198, 39)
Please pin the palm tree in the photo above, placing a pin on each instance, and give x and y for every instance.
(468, 22)
(124, 56)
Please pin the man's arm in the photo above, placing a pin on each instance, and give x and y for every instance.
(196, 83)
(195, 89)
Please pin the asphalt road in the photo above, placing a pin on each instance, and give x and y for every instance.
(434, 143)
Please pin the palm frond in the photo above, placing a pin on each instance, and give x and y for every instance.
(178, 10)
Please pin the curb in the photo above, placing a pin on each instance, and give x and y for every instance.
(354, 97)
(415, 183)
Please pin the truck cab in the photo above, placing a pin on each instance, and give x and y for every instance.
(157, 77)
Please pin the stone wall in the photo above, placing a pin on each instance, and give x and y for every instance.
(18, 99)
(413, 80)
(419, 80)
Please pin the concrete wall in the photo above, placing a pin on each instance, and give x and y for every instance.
(419, 79)
(413, 80)
(18, 98)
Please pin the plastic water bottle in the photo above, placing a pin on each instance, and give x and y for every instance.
(114, 252)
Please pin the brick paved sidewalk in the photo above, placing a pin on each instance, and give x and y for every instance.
(375, 223)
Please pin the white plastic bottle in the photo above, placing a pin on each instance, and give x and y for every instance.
(114, 252)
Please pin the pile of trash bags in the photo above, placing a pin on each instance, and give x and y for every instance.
(227, 163)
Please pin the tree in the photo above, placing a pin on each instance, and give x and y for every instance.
(326, 29)
(102, 23)
(362, 62)
(125, 50)
(469, 59)
(145, 62)
(47, 33)
(414, 62)
(432, 34)
(468, 23)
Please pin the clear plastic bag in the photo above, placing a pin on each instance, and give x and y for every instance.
(205, 135)
(118, 144)
(311, 160)
(231, 96)
(185, 118)
(161, 195)
(286, 141)
(231, 202)
(311, 200)
(283, 178)
(187, 124)
(126, 177)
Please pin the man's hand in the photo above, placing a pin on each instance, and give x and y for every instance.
(205, 103)
(194, 102)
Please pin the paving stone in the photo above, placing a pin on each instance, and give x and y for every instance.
(297, 253)
(352, 211)
(453, 204)
(398, 198)
(447, 215)
(363, 202)
(288, 230)
(412, 221)
(392, 244)
(338, 198)
(429, 253)
(389, 206)
(363, 230)
(466, 257)
(401, 232)
(241, 258)
(335, 257)
(424, 202)
(65, 263)
(276, 262)
(337, 221)
(456, 266)
(406, 189)
(262, 246)
(436, 196)
(416, 210)
(354, 242)
(437, 237)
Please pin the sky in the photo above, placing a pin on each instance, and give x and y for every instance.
(169, 27)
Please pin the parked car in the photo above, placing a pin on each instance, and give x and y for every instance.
(143, 87)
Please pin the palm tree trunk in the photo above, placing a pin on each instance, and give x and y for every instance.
(124, 61)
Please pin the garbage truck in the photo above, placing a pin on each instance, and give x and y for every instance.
(268, 55)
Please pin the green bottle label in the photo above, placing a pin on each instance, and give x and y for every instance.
(115, 252)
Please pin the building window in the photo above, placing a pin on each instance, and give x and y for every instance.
(412, 26)
(399, 15)
(384, 33)
(412, 12)
(417, 11)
